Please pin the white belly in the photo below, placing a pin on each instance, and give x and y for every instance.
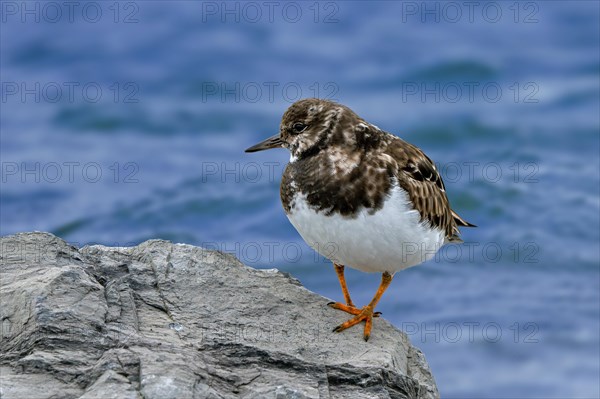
(390, 240)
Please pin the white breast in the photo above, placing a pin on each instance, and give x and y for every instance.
(391, 239)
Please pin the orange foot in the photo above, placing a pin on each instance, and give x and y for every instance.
(365, 314)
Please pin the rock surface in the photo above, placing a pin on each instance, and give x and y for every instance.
(164, 320)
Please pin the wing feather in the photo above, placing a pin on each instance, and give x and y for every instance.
(417, 175)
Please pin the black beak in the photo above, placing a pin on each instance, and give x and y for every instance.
(271, 142)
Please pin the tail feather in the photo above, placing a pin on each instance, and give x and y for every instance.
(460, 221)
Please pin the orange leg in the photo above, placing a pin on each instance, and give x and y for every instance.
(366, 314)
(339, 269)
(349, 306)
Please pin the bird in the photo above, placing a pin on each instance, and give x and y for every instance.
(360, 196)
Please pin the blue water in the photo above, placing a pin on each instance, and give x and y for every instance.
(130, 124)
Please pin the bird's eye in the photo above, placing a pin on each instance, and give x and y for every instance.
(299, 127)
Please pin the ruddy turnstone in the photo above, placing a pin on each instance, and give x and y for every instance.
(376, 200)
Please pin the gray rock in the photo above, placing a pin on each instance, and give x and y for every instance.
(164, 320)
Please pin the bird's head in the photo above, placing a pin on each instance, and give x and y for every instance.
(307, 127)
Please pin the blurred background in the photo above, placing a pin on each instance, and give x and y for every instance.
(125, 121)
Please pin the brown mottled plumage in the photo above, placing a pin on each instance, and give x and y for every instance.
(333, 181)
(341, 166)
